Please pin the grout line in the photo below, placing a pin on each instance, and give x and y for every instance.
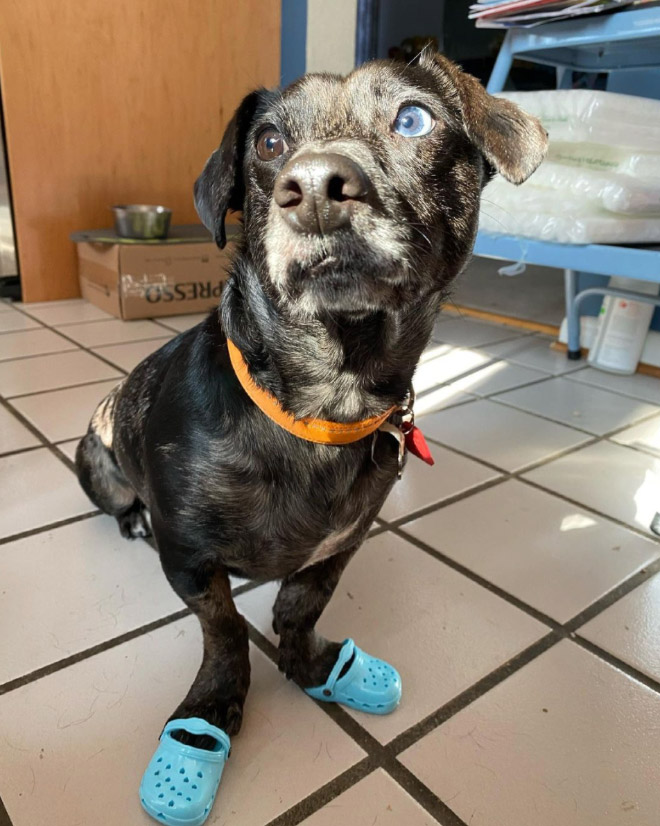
(608, 599)
(378, 756)
(113, 642)
(479, 580)
(445, 503)
(5, 820)
(38, 355)
(56, 452)
(50, 526)
(615, 391)
(85, 349)
(617, 663)
(632, 528)
(117, 379)
(7, 454)
(325, 794)
(79, 656)
(477, 690)
(496, 398)
(422, 794)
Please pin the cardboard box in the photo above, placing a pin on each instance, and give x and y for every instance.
(184, 273)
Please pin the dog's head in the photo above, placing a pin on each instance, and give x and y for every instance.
(360, 193)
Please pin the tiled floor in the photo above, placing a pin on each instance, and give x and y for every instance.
(515, 585)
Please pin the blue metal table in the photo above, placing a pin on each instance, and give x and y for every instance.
(626, 44)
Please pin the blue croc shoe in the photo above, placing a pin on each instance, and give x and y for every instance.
(369, 684)
(180, 783)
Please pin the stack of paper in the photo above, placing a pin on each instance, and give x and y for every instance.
(502, 14)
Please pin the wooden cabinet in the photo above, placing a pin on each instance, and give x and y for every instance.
(122, 101)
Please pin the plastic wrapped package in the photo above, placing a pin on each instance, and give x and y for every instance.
(598, 157)
(549, 215)
(610, 190)
(586, 116)
(600, 182)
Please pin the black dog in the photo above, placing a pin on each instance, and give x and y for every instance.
(360, 198)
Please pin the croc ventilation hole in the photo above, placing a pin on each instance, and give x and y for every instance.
(171, 803)
(194, 785)
(199, 774)
(182, 771)
(169, 766)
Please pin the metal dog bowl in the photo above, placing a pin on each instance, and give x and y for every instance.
(142, 220)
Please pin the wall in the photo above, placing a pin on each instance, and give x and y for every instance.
(331, 35)
(121, 101)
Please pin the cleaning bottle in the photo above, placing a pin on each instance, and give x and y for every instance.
(622, 328)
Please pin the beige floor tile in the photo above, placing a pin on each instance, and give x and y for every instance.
(439, 629)
(100, 333)
(501, 435)
(534, 352)
(612, 479)
(32, 343)
(555, 557)
(567, 740)
(71, 311)
(5, 306)
(645, 436)
(465, 332)
(498, 377)
(630, 629)
(37, 489)
(181, 323)
(375, 800)
(69, 448)
(14, 435)
(638, 385)
(128, 356)
(424, 485)
(579, 405)
(94, 726)
(440, 398)
(63, 414)
(12, 321)
(52, 372)
(442, 363)
(109, 587)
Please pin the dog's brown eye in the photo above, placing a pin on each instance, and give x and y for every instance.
(270, 145)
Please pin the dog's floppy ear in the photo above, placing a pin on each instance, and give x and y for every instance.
(220, 187)
(512, 141)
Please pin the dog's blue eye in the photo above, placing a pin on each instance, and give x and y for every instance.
(413, 122)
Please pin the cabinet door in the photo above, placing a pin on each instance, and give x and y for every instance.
(116, 102)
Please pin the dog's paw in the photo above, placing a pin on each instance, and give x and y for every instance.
(135, 525)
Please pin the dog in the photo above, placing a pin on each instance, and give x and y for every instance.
(359, 198)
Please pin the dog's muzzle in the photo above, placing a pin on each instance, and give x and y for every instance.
(317, 193)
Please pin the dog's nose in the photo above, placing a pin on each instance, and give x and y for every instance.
(317, 192)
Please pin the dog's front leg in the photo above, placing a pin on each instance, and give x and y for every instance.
(220, 687)
(305, 656)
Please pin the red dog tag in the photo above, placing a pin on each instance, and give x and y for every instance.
(416, 444)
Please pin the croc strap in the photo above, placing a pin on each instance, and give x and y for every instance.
(345, 655)
(196, 725)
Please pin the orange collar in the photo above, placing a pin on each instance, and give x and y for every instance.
(313, 430)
